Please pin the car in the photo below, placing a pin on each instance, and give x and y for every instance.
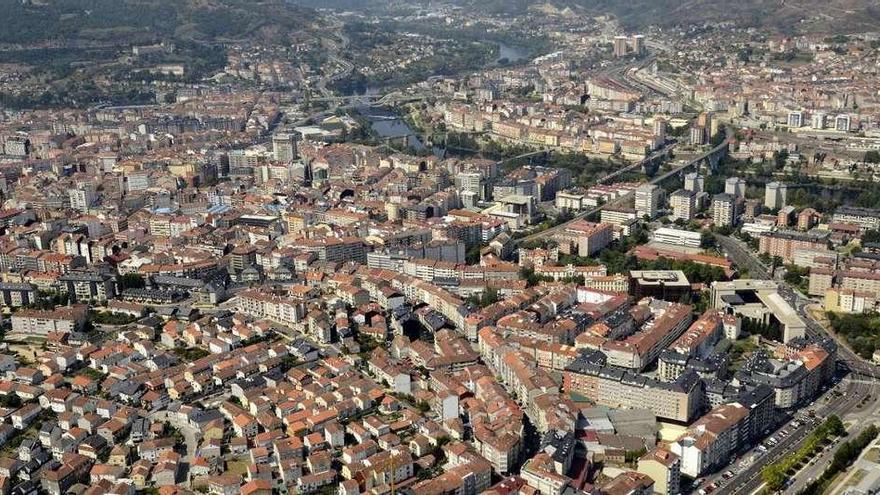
(727, 474)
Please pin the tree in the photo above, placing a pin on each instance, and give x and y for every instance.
(872, 156)
(780, 157)
(130, 281)
(871, 236)
(774, 477)
(707, 240)
(835, 426)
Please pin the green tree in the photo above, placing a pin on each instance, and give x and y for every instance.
(130, 281)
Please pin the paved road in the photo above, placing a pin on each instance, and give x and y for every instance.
(748, 480)
(191, 435)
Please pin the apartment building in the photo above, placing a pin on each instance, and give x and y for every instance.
(590, 376)
(624, 220)
(642, 348)
(259, 304)
(647, 200)
(783, 243)
(664, 467)
(37, 322)
(584, 238)
(337, 250)
(724, 210)
(683, 204)
(709, 443)
(88, 286)
(865, 218)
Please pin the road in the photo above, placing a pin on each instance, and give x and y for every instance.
(191, 435)
(748, 480)
(857, 405)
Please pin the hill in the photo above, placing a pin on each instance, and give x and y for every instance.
(787, 16)
(133, 21)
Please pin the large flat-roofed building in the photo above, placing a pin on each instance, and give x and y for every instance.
(518, 210)
(677, 237)
(610, 386)
(669, 285)
(759, 300)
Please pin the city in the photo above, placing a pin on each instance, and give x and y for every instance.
(417, 247)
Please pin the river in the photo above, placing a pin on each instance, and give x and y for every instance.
(388, 124)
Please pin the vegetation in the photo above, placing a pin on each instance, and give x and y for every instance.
(49, 300)
(775, 475)
(861, 331)
(108, 318)
(142, 22)
(739, 351)
(770, 331)
(532, 279)
(798, 277)
(871, 237)
(130, 281)
(585, 171)
(489, 297)
(563, 217)
(848, 452)
(695, 272)
(190, 354)
(616, 257)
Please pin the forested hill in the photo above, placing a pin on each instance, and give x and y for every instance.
(828, 16)
(132, 21)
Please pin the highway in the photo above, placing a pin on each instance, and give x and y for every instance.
(656, 180)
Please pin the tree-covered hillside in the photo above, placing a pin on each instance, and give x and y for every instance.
(132, 21)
